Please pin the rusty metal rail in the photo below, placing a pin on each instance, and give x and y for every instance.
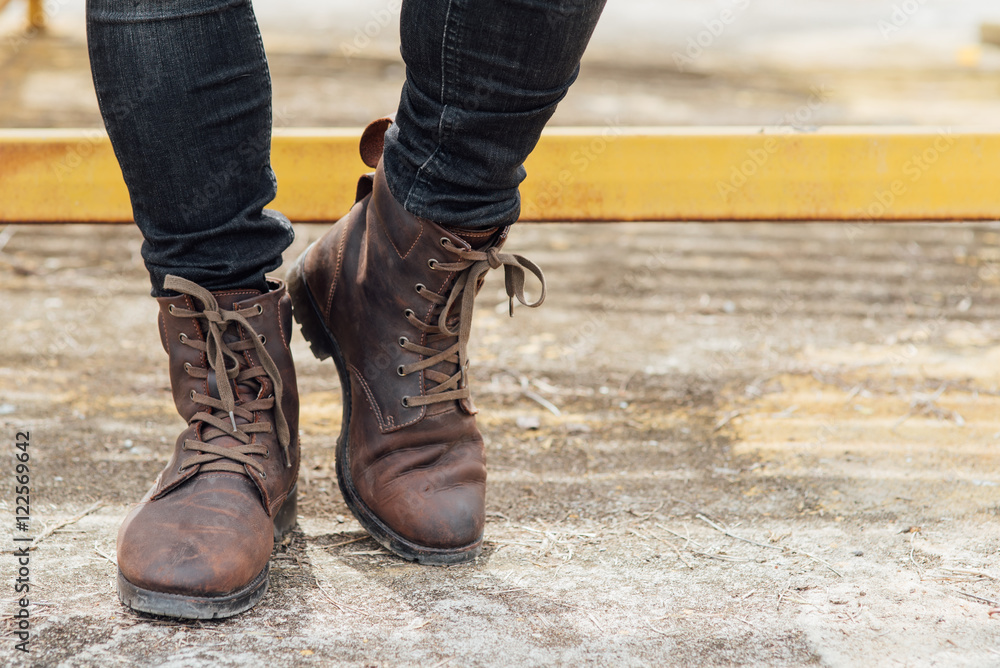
(584, 174)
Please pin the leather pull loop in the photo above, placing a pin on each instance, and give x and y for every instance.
(373, 140)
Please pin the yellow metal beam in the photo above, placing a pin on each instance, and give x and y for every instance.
(584, 174)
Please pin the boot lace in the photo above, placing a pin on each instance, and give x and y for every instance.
(471, 265)
(221, 419)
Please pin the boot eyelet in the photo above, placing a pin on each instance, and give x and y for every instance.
(192, 395)
(408, 313)
(170, 309)
(432, 263)
(183, 337)
(188, 367)
(445, 241)
(400, 372)
(420, 287)
(260, 309)
(406, 402)
(181, 470)
(403, 341)
(267, 452)
(263, 475)
(263, 339)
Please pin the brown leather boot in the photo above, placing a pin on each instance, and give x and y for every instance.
(390, 296)
(197, 546)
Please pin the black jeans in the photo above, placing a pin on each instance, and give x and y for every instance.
(185, 92)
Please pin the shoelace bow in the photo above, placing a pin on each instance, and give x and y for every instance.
(472, 265)
(223, 421)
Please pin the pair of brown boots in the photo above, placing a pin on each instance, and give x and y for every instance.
(389, 296)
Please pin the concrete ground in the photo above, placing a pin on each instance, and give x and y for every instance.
(771, 444)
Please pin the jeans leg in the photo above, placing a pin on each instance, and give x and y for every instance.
(185, 93)
(482, 79)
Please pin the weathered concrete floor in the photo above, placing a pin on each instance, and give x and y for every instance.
(829, 393)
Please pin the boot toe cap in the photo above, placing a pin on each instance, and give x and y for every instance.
(209, 540)
(432, 496)
(439, 518)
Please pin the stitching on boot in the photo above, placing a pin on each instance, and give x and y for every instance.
(336, 275)
(218, 474)
(385, 231)
(276, 504)
(263, 490)
(414, 244)
(384, 424)
(163, 325)
(371, 398)
(230, 293)
(281, 329)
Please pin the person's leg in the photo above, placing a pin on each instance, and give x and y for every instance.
(185, 94)
(483, 77)
(389, 291)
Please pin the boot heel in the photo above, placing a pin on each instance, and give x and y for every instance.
(284, 519)
(305, 310)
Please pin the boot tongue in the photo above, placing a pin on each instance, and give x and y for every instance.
(227, 300)
(477, 239)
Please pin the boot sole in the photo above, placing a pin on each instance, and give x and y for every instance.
(181, 606)
(323, 345)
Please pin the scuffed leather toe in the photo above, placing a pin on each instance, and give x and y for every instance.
(433, 496)
(209, 541)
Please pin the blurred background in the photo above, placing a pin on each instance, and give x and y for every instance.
(655, 62)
